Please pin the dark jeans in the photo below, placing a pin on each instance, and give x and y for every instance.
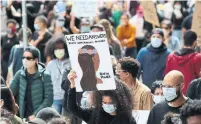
(132, 52)
(139, 42)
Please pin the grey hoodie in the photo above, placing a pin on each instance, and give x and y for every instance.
(56, 69)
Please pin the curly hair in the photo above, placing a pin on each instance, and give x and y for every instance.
(122, 98)
(171, 118)
(130, 65)
(190, 109)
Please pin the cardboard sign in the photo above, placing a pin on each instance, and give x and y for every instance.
(196, 24)
(149, 11)
(141, 116)
(85, 8)
(90, 58)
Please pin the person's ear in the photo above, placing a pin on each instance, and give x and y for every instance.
(182, 87)
(36, 61)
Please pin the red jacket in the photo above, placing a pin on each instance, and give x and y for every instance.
(187, 62)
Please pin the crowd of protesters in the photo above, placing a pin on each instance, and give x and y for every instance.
(157, 69)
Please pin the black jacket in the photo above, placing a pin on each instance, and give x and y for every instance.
(88, 114)
(194, 89)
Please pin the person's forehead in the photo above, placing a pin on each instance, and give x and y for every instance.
(28, 53)
(107, 98)
(194, 119)
(170, 81)
(11, 24)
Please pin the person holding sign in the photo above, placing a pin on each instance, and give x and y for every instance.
(126, 34)
(112, 107)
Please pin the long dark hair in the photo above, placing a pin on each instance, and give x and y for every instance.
(121, 96)
(89, 80)
(8, 99)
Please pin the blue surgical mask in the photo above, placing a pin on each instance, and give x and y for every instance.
(156, 42)
(37, 28)
(85, 102)
(109, 108)
(4, 3)
(85, 29)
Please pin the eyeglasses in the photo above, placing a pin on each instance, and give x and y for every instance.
(165, 86)
(28, 58)
(165, 28)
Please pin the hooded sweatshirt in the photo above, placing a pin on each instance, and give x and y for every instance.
(56, 69)
(152, 63)
(188, 62)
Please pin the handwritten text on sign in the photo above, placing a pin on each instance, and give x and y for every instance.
(84, 8)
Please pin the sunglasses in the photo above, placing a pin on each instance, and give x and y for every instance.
(28, 58)
(165, 28)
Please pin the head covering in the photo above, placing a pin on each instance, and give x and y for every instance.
(60, 6)
(157, 31)
(37, 121)
(32, 50)
(47, 114)
(97, 26)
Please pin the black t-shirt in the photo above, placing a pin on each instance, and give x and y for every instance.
(42, 44)
(7, 43)
(187, 22)
(28, 102)
(160, 110)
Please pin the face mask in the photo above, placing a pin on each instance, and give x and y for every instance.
(59, 23)
(4, 3)
(28, 63)
(37, 28)
(109, 108)
(158, 99)
(84, 29)
(11, 30)
(156, 42)
(85, 102)
(170, 94)
(59, 53)
(178, 6)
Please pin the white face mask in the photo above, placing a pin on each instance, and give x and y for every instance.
(109, 108)
(170, 93)
(177, 6)
(156, 42)
(158, 99)
(28, 63)
(59, 23)
(84, 29)
(59, 53)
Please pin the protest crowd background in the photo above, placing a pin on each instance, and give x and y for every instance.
(154, 48)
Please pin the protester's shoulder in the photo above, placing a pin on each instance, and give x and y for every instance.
(144, 50)
(160, 105)
(52, 62)
(144, 88)
(198, 56)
